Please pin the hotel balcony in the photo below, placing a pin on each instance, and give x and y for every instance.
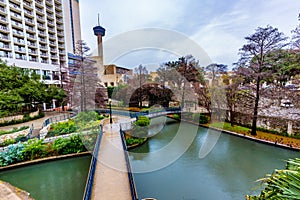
(39, 11)
(29, 21)
(31, 37)
(32, 45)
(16, 8)
(4, 46)
(5, 38)
(4, 29)
(28, 13)
(3, 11)
(43, 40)
(3, 2)
(27, 5)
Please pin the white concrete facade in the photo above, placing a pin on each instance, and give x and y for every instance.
(35, 34)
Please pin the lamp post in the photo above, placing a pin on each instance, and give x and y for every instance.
(110, 118)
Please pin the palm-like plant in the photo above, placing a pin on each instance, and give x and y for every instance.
(282, 184)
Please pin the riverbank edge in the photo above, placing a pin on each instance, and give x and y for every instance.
(43, 160)
(136, 145)
(241, 135)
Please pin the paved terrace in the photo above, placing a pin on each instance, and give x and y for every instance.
(111, 179)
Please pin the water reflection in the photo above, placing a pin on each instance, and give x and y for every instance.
(229, 171)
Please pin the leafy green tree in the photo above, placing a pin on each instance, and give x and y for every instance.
(21, 90)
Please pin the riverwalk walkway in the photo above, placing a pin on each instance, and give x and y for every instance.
(111, 177)
(38, 123)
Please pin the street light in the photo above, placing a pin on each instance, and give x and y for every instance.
(110, 118)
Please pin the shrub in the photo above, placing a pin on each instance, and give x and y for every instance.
(176, 116)
(132, 140)
(142, 121)
(85, 117)
(8, 142)
(65, 146)
(62, 128)
(13, 155)
(202, 119)
(34, 149)
(21, 138)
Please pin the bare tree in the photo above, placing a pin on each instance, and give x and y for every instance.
(142, 76)
(86, 80)
(254, 65)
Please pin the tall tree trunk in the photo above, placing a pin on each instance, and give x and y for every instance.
(255, 111)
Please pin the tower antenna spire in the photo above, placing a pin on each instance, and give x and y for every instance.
(98, 19)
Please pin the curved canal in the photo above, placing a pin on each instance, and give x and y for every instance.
(228, 172)
(53, 180)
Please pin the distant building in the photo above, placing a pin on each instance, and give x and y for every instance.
(114, 75)
(38, 35)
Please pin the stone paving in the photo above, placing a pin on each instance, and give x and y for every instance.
(111, 178)
(8, 192)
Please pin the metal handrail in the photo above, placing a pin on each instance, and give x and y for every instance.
(58, 118)
(89, 184)
(133, 191)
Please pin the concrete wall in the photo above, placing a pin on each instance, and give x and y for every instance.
(17, 117)
(68, 23)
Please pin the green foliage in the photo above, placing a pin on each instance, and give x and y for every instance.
(63, 146)
(142, 121)
(140, 131)
(176, 116)
(21, 138)
(110, 90)
(85, 117)
(282, 184)
(34, 149)
(135, 141)
(62, 128)
(14, 130)
(19, 90)
(7, 142)
(228, 127)
(202, 119)
(13, 155)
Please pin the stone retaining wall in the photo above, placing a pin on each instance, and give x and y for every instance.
(17, 117)
(14, 135)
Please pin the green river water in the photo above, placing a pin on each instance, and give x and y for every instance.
(54, 180)
(228, 172)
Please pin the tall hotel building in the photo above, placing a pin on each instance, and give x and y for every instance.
(39, 34)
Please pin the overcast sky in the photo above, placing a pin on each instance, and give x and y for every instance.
(217, 26)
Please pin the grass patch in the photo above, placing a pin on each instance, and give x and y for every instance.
(226, 126)
(263, 135)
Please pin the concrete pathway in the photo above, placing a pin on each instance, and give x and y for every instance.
(111, 178)
(37, 124)
(8, 192)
